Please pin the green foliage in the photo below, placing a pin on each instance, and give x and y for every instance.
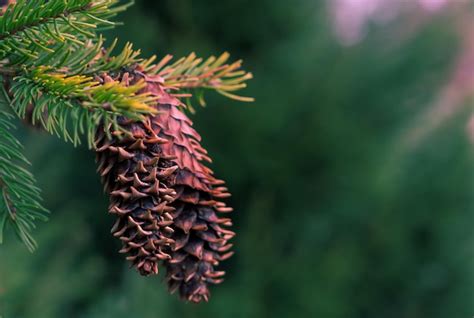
(20, 201)
(193, 75)
(72, 106)
(30, 28)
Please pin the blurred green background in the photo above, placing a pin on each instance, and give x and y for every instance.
(335, 217)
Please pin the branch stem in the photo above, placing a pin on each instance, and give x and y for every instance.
(42, 21)
(8, 202)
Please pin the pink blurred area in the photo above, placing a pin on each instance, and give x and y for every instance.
(351, 18)
(433, 5)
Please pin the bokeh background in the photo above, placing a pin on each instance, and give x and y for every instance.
(352, 174)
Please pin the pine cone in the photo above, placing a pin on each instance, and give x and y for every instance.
(201, 242)
(180, 222)
(136, 174)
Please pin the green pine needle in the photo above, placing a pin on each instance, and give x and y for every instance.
(20, 199)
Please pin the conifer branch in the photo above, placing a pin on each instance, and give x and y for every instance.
(30, 28)
(20, 200)
(192, 74)
(72, 106)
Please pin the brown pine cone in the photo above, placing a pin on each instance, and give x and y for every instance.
(201, 241)
(188, 236)
(136, 174)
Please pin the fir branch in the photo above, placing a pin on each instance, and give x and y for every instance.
(192, 73)
(106, 62)
(19, 17)
(90, 58)
(30, 28)
(20, 200)
(122, 99)
(72, 106)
